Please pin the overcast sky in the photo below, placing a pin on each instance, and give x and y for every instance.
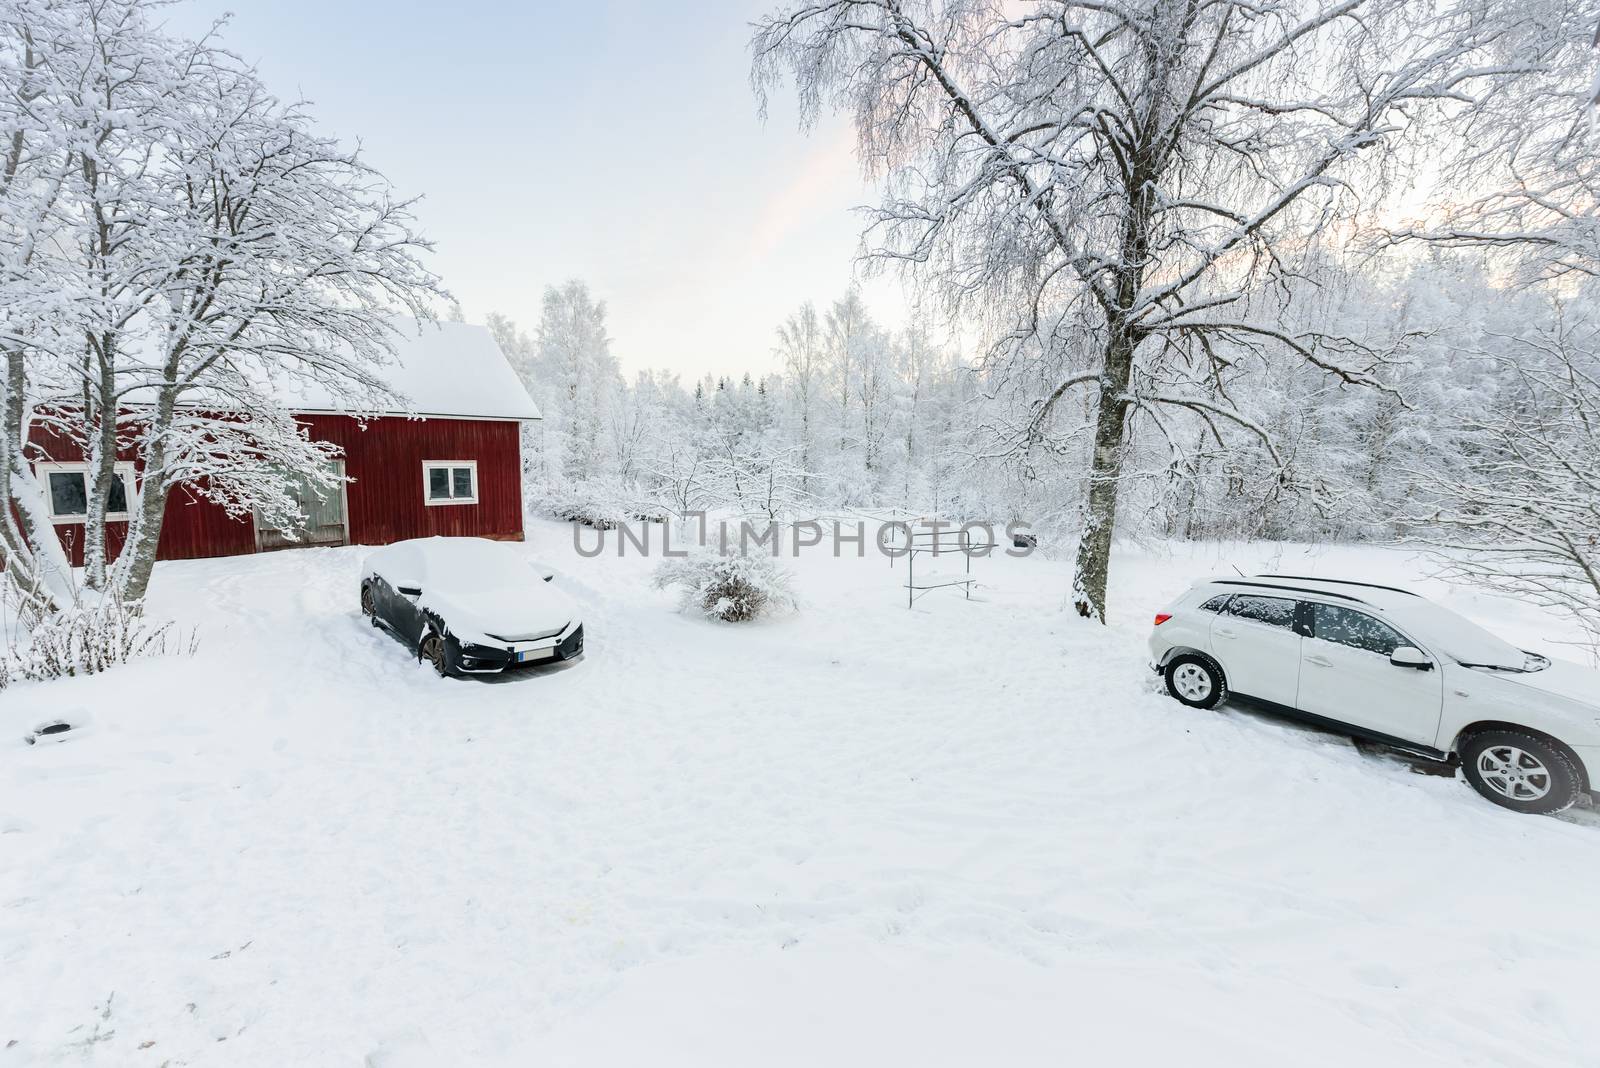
(615, 141)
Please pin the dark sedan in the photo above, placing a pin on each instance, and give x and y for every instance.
(469, 606)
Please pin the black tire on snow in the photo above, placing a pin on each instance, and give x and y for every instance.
(1565, 778)
(1219, 684)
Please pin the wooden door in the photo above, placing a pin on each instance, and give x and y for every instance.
(326, 515)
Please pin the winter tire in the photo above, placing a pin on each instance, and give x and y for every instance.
(1196, 681)
(1520, 771)
(433, 651)
(369, 605)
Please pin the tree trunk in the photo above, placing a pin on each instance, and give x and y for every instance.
(140, 550)
(1105, 481)
(1105, 469)
(137, 560)
(34, 560)
(101, 470)
(805, 440)
(35, 565)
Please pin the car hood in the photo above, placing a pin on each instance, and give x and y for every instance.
(1452, 633)
(510, 612)
(1563, 679)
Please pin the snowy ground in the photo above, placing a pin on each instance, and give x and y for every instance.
(966, 834)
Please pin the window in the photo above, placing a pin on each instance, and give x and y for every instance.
(1344, 626)
(1216, 604)
(1273, 611)
(67, 488)
(450, 481)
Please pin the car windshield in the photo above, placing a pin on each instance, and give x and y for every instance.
(463, 565)
(1465, 641)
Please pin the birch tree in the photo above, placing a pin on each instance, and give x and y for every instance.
(218, 257)
(1123, 186)
(283, 260)
(800, 350)
(39, 154)
(920, 368)
(846, 327)
(579, 376)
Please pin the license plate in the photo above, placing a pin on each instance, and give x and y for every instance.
(534, 654)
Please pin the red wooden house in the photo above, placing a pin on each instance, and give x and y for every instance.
(451, 465)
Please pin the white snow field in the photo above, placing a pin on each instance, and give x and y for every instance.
(969, 833)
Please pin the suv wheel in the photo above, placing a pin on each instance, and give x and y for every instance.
(1522, 772)
(1196, 681)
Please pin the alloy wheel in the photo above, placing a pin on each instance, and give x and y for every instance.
(1514, 773)
(433, 652)
(1192, 682)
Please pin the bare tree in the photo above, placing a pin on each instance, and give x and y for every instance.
(1123, 185)
(287, 258)
(575, 360)
(760, 480)
(846, 325)
(873, 390)
(680, 474)
(220, 258)
(919, 365)
(800, 349)
(35, 172)
(1520, 175)
(1524, 517)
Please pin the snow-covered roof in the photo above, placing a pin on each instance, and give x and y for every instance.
(445, 369)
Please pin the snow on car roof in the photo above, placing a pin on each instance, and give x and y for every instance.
(440, 369)
(469, 562)
(1454, 634)
(483, 590)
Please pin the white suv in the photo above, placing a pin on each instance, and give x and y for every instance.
(1385, 664)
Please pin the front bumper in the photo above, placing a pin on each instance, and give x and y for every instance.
(476, 659)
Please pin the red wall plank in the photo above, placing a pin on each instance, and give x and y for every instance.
(383, 459)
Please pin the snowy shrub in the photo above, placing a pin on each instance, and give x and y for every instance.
(87, 638)
(727, 586)
(602, 503)
(566, 502)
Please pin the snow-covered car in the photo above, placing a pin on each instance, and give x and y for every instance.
(469, 606)
(1391, 666)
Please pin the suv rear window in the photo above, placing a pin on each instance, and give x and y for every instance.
(1273, 611)
(1216, 604)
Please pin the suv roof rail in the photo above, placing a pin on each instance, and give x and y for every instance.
(1343, 582)
(1288, 588)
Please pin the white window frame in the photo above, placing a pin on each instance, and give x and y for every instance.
(429, 466)
(43, 471)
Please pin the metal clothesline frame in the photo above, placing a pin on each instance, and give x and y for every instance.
(935, 543)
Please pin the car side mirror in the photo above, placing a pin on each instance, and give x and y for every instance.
(410, 591)
(550, 577)
(1409, 656)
